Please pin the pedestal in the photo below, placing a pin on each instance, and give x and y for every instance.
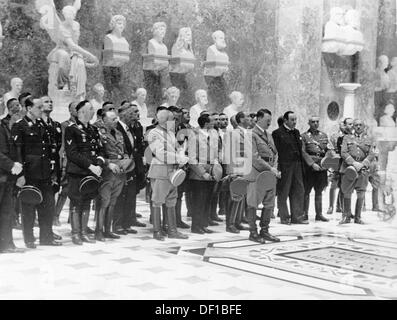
(182, 65)
(349, 104)
(114, 58)
(61, 100)
(154, 62)
(215, 68)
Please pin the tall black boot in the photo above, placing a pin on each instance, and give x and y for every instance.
(347, 211)
(178, 212)
(264, 224)
(75, 221)
(357, 211)
(375, 199)
(331, 201)
(156, 218)
(108, 224)
(251, 217)
(100, 224)
(85, 216)
(165, 220)
(318, 203)
(231, 217)
(339, 201)
(306, 204)
(172, 229)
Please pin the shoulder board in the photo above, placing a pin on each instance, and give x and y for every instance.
(18, 121)
(71, 124)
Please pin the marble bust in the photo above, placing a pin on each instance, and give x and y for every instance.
(353, 37)
(200, 106)
(382, 81)
(333, 35)
(392, 74)
(217, 62)
(16, 89)
(172, 95)
(237, 99)
(387, 119)
(116, 51)
(157, 57)
(97, 100)
(182, 56)
(140, 102)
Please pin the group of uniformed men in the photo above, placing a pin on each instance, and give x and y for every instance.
(107, 164)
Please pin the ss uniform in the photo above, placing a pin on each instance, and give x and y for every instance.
(7, 183)
(355, 149)
(264, 158)
(34, 150)
(83, 148)
(316, 145)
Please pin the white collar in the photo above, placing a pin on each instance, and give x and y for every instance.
(288, 128)
(125, 127)
(204, 132)
(261, 129)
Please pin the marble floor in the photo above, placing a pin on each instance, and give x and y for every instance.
(318, 261)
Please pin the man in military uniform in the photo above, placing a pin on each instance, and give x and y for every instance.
(166, 159)
(62, 196)
(264, 158)
(316, 145)
(84, 154)
(114, 178)
(33, 145)
(55, 132)
(8, 172)
(356, 152)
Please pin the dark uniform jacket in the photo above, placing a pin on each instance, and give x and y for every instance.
(6, 162)
(83, 149)
(33, 148)
(55, 131)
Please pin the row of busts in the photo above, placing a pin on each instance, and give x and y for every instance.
(117, 52)
(342, 33)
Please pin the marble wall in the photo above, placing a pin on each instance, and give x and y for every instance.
(274, 48)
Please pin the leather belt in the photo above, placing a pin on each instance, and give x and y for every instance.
(318, 154)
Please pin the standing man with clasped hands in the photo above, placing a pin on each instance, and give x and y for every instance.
(84, 154)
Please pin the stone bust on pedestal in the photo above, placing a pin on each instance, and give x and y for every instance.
(157, 57)
(97, 100)
(182, 56)
(201, 105)
(217, 62)
(16, 89)
(387, 119)
(352, 36)
(116, 51)
(333, 35)
(237, 99)
(382, 81)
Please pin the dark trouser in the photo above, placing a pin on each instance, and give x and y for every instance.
(268, 207)
(223, 195)
(45, 211)
(6, 214)
(201, 202)
(317, 180)
(184, 188)
(291, 186)
(125, 209)
(214, 200)
(234, 212)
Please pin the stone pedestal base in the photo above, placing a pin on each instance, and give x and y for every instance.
(182, 65)
(153, 62)
(61, 100)
(215, 68)
(349, 104)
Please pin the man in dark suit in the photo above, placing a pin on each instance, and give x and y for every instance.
(125, 211)
(288, 142)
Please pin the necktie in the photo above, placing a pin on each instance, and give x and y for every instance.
(130, 137)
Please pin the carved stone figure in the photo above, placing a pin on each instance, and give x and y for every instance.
(199, 107)
(140, 102)
(217, 62)
(237, 99)
(382, 81)
(352, 36)
(68, 61)
(182, 56)
(16, 89)
(97, 101)
(116, 51)
(333, 36)
(157, 57)
(387, 119)
(172, 96)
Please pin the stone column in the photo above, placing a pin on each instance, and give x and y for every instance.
(299, 32)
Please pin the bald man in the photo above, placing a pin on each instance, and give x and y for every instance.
(316, 144)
